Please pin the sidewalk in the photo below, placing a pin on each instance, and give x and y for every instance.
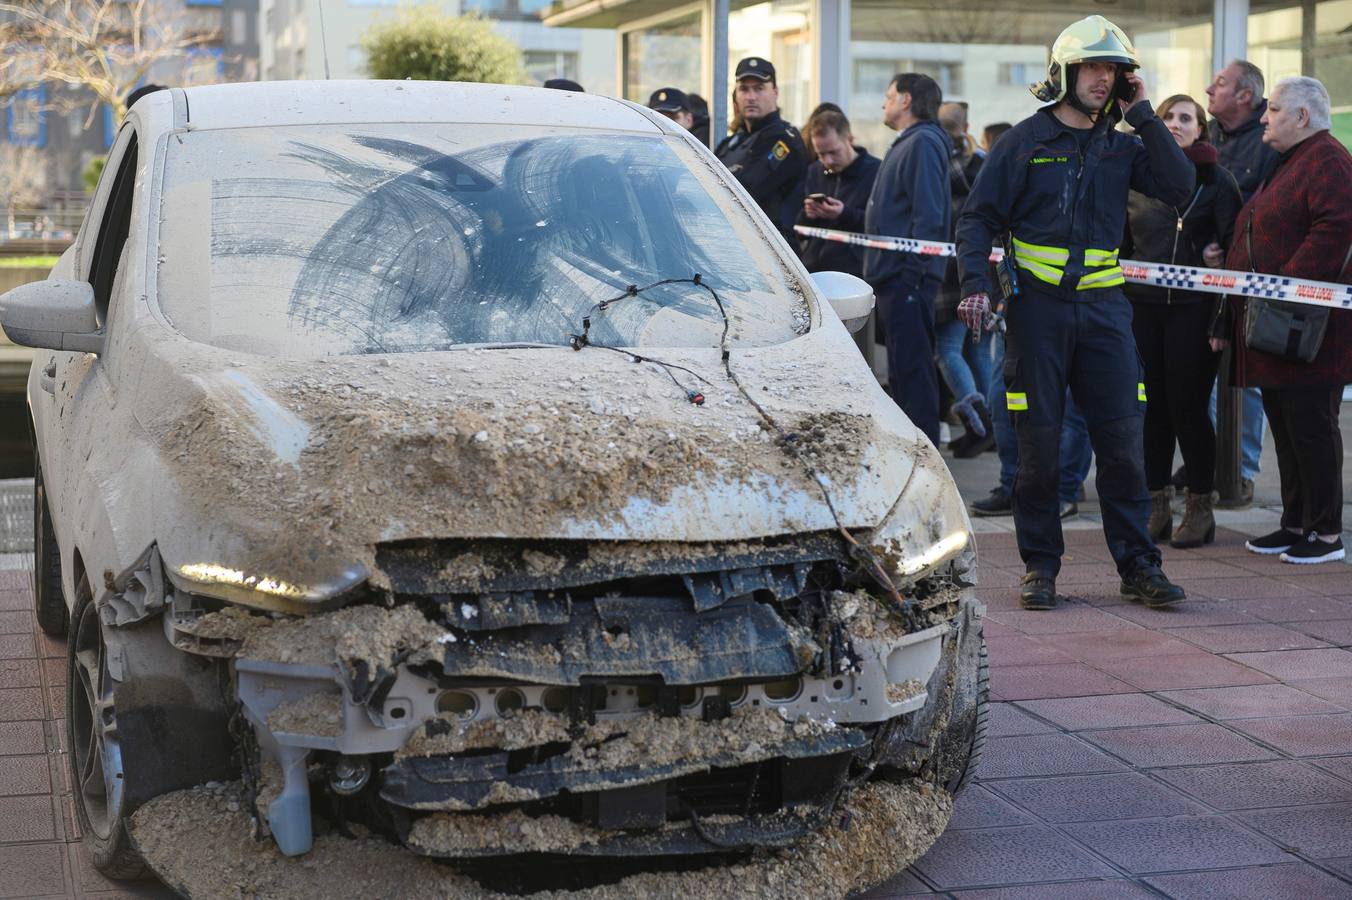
(1199, 752)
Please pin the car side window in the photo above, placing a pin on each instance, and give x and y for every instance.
(113, 229)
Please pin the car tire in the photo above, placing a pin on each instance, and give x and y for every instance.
(96, 765)
(977, 745)
(48, 597)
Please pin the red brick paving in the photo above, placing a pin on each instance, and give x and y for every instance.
(1130, 758)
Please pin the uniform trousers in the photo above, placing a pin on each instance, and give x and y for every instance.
(1085, 344)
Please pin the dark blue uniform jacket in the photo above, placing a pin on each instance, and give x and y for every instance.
(851, 187)
(1036, 184)
(911, 198)
(769, 159)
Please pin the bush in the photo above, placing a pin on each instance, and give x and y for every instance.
(427, 45)
(91, 173)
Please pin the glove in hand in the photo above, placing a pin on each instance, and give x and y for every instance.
(973, 311)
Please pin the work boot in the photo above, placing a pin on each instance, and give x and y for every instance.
(1148, 584)
(1161, 523)
(999, 503)
(1199, 522)
(1038, 591)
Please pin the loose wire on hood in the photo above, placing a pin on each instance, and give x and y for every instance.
(862, 554)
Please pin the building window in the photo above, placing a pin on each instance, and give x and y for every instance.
(664, 55)
(1280, 45)
(989, 60)
(542, 65)
(25, 118)
(507, 9)
(239, 27)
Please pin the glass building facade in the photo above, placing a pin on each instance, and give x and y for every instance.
(982, 53)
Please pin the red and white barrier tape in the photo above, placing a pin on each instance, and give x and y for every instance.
(1210, 281)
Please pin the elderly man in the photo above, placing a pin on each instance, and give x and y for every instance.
(911, 198)
(1300, 225)
(1237, 106)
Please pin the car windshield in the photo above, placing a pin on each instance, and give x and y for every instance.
(340, 239)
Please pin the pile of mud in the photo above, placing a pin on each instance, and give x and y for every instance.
(201, 843)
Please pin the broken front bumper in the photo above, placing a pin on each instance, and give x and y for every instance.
(752, 750)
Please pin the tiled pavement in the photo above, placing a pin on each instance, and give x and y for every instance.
(1199, 752)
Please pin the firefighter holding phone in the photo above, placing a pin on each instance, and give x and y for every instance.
(1055, 190)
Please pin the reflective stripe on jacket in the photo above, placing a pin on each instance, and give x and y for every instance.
(1067, 211)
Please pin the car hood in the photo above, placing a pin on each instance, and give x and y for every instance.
(298, 469)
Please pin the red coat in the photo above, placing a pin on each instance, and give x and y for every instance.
(1302, 227)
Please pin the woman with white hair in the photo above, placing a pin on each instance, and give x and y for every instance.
(1299, 224)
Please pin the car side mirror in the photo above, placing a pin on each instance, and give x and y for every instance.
(850, 297)
(57, 314)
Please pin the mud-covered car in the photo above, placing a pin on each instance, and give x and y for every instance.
(429, 456)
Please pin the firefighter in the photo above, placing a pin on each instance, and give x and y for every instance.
(1054, 190)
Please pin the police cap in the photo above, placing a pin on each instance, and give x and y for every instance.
(756, 67)
(669, 100)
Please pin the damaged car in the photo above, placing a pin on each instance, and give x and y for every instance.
(475, 464)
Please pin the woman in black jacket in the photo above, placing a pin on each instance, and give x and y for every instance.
(1172, 326)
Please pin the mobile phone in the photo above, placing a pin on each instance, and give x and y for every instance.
(818, 198)
(1123, 89)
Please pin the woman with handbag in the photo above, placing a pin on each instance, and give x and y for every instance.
(1299, 224)
(1172, 326)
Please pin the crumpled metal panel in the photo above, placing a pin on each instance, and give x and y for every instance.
(640, 637)
(465, 783)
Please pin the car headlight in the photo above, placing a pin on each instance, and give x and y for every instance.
(926, 528)
(262, 591)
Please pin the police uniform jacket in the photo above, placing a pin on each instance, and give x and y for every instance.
(1069, 207)
(769, 159)
(851, 186)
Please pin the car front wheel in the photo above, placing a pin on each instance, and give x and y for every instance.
(95, 752)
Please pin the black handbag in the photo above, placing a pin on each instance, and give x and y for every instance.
(1293, 331)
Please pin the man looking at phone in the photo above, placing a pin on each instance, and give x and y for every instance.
(1057, 184)
(766, 154)
(835, 193)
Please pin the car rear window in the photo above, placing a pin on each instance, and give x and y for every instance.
(342, 239)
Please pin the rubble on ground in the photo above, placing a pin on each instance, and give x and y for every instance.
(201, 842)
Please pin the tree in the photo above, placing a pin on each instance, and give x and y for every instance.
(106, 47)
(427, 45)
(23, 180)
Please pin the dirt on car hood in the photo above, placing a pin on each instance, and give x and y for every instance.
(296, 470)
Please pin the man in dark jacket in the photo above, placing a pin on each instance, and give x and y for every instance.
(911, 198)
(835, 193)
(1057, 184)
(766, 154)
(1237, 106)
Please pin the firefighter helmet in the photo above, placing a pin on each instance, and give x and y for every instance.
(1092, 39)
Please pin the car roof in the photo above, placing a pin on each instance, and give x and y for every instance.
(276, 103)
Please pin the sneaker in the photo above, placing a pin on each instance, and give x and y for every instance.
(1148, 584)
(1069, 508)
(1278, 541)
(1312, 551)
(999, 503)
(1038, 591)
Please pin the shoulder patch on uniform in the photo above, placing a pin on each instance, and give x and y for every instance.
(780, 150)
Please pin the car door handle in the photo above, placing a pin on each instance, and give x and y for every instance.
(48, 379)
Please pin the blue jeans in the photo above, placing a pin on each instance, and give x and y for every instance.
(966, 366)
(1252, 424)
(1076, 454)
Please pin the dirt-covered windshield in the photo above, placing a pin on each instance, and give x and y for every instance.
(341, 239)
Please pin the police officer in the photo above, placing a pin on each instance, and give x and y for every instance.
(766, 154)
(1057, 185)
(673, 104)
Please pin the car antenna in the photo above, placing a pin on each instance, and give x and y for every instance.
(323, 40)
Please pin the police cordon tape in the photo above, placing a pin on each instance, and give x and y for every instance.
(1211, 281)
